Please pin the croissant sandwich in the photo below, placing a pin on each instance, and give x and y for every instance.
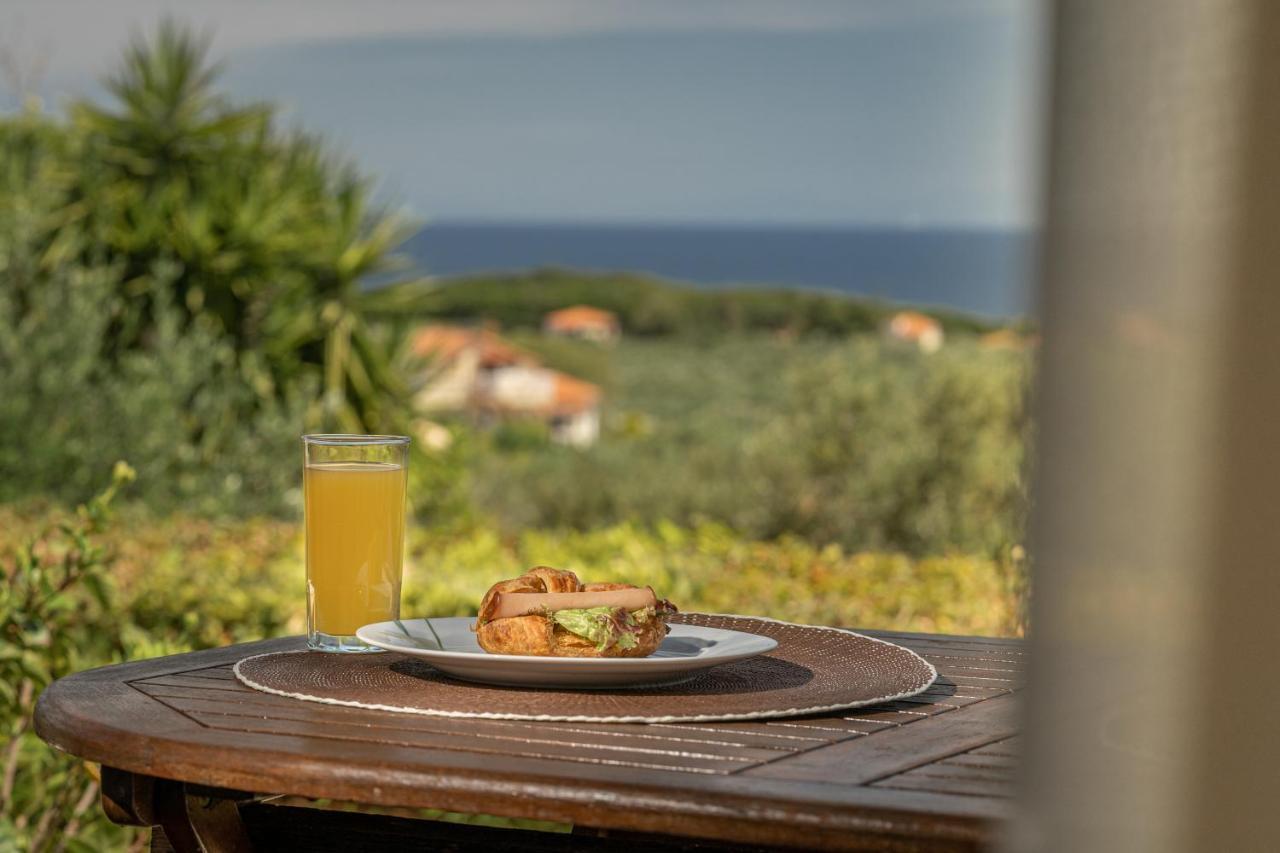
(549, 612)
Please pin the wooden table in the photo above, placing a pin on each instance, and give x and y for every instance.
(188, 748)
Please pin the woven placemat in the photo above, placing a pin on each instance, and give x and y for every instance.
(813, 669)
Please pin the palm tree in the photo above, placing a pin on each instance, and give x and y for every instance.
(272, 235)
(170, 119)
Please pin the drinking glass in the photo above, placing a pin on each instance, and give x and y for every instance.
(354, 488)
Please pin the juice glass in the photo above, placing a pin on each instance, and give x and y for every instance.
(354, 489)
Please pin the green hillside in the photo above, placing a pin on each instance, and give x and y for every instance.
(645, 305)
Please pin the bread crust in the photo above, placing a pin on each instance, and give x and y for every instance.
(518, 635)
(537, 635)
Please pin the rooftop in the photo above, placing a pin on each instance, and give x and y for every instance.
(577, 316)
(449, 342)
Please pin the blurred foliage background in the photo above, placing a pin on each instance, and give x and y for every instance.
(183, 285)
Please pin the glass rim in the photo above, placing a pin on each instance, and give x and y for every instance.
(338, 439)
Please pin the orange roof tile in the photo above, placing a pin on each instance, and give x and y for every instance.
(580, 316)
(572, 395)
(910, 325)
(448, 342)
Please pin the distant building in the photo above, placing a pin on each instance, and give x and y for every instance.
(569, 406)
(478, 372)
(585, 322)
(912, 327)
(459, 357)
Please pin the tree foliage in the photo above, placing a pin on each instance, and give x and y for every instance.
(857, 442)
(264, 235)
(648, 306)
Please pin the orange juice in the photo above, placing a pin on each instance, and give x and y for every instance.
(355, 544)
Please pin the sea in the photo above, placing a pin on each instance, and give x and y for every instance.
(986, 272)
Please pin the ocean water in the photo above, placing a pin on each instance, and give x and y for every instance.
(984, 272)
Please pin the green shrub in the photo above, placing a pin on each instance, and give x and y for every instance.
(583, 359)
(57, 615)
(193, 413)
(870, 446)
(79, 593)
(191, 583)
(182, 405)
(884, 448)
(516, 435)
(710, 568)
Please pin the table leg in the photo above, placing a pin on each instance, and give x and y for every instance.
(195, 821)
(128, 798)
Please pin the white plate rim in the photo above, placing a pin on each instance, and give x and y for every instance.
(713, 659)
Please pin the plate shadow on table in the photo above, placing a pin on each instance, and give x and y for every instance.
(755, 675)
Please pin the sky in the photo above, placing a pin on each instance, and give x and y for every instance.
(918, 113)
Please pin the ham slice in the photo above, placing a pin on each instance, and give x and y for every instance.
(524, 603)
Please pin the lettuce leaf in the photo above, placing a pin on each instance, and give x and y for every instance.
(604, 626)
(591, 623)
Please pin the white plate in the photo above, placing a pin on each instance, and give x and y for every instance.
(448, 644)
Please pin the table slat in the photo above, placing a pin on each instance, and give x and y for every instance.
(864, 761)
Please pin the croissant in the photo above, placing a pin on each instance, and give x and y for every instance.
(551, 613)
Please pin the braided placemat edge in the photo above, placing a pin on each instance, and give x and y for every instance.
(556, 718)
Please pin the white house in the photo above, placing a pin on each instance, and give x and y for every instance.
(476, 371)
